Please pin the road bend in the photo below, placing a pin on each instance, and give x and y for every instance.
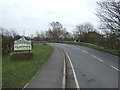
(93, 68)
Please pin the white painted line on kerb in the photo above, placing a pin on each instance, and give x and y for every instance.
(115, 68)
(25, 86)
(64, 73)
(97, 58)
(75, 77)
(84, 51)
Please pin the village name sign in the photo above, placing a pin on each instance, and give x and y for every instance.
(22, 50)
(22, 45)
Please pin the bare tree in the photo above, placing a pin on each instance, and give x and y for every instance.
(66, 36)
(40, 36)
(55, 31)
(109, 13)
(83, 29)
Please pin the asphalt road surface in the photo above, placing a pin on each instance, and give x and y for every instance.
(93, 68)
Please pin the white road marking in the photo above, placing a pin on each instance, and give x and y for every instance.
(77, 47)
(25, 86)
(84, 51)
(64, 73)
(75, 77)
(115, 68)
(97, 58)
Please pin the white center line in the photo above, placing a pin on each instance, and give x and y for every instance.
(97, 58)
(84, 51)
(115, 68)
(77, 47)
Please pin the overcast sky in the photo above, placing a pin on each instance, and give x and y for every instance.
(35, 15)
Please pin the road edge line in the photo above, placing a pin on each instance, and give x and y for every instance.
(64, 72)
(74, 74)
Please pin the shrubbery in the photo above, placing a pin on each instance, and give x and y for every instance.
(8, 38)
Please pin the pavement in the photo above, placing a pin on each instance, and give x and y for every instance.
(93, 68)
(51, 73)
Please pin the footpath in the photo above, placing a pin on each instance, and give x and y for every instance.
(50, 74)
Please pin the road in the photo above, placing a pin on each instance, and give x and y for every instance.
(93, 68)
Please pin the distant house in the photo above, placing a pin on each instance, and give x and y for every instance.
(92, 37)
(93, 34)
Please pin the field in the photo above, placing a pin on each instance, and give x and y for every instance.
(15, 74)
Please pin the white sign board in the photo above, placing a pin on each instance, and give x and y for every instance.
(22, 45)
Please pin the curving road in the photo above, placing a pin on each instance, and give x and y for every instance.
(94, 68)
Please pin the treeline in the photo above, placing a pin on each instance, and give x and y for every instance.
(8, 38)
(83, 33)
(88, 34)
(57, 33)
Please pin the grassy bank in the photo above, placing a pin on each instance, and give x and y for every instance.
(115, 52)
(15, 74)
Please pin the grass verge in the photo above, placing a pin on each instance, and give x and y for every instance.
(115, 52)
(15, 74)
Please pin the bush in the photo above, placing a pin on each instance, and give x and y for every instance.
(44, 44)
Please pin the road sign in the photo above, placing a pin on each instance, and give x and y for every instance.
(22, 44)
